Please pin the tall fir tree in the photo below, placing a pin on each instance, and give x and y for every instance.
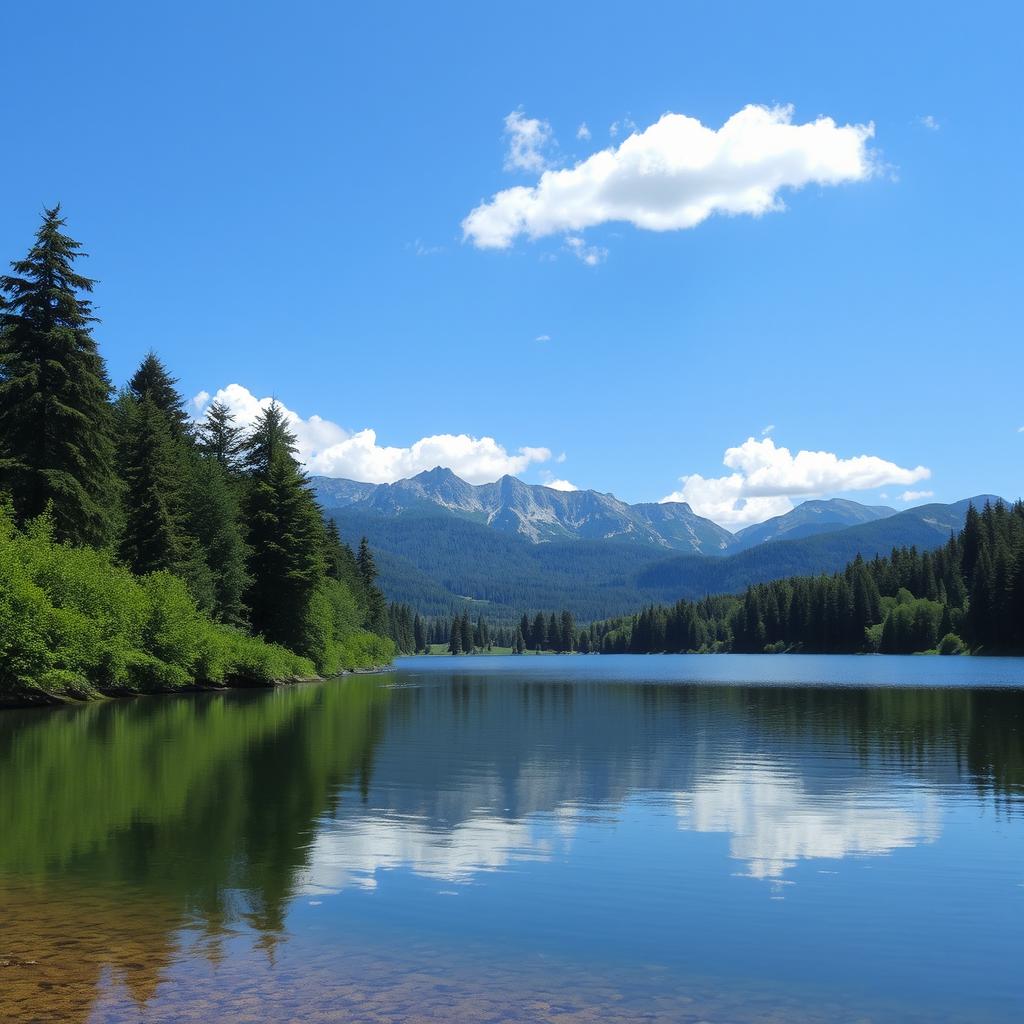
(286, 535)
(220, 437)
(56, 440)
(153, 380)
(374, 599)
(152, 536)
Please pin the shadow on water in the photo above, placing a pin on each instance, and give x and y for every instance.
(140, 839)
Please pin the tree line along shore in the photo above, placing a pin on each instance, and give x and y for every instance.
(139, 550)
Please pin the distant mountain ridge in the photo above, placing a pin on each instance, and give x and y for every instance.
(809, 518)
(506, 547)
(535, 512)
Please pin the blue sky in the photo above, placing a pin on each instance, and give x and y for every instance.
(273, 196)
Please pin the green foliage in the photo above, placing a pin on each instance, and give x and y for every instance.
(286, 539)
(197, 534)
(951, 644)
(908, 602)
(56, 446)
(73, 622)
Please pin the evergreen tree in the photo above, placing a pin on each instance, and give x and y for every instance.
(56, 444)
(152, 536)
(466, 631)
(418, 636)
(220, 438)
(368, 576)
(538, 633)
(455, 637)
(554, 634)
(286, 535)
(214, 521)
(567, 631)
(152, 380)
(519, 644)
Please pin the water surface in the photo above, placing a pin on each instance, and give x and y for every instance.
(725, 839)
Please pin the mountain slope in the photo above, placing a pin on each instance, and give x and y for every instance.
(926, 527)
(809, 518)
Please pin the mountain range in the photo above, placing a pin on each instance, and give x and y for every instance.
(508, 546)
(543, 514)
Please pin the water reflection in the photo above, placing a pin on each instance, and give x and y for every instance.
(140, 840)
(774, 822)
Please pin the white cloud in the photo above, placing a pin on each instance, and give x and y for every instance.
(677, 173)
(561, 458)
(929, 122)
(583, 132)
(543, 337)
(765, 431)
(766, 476)
(589, 254)
(916, 495)
(528, 138)
(560, 485)
(327, 449)
(627, 125)
(1020, 430)
(199, 401)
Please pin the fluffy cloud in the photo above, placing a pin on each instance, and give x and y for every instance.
(916, 495)
(550, 480)
(677, 173)
(767, 476)
(528, 138)
(929, 122)
(583, 132)
(765, 431)
(327, 449)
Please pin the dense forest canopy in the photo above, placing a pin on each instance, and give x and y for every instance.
(966, 595)
(138, 549)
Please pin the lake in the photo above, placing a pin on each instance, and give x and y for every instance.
(733, 839)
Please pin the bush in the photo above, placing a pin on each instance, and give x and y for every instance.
(71, 621)
(951, 644)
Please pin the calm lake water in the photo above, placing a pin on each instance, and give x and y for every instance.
(727, 839)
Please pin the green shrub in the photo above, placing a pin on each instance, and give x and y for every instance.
(72, 620)
(951, 644)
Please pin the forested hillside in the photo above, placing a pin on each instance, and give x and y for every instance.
(137, 550)
(968, 594)
(441, 564)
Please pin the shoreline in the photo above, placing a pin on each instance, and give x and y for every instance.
(26, 699)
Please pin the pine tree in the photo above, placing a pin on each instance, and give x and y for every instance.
(153, 535)
(455, 637)
(466, 628)
(519, 644)
(56, 443)
(373, 597)
(286, 535)
(418, 636)
(220, 438)
(152, 380)
(567, 631)
(538, 633)
(554, 634)
(213, 519)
